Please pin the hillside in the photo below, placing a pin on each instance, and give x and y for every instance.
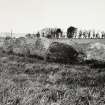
(30, 81)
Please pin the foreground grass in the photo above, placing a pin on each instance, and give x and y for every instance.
(29, 81)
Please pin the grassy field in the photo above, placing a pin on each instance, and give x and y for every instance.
(79, 41)
(30, 81)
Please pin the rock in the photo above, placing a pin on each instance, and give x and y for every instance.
(8, 45)
(96, 51)
(80, 48)
(61, 52)
(20, 47)
(40, 47)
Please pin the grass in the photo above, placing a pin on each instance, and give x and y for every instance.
(79, 41)
(31, 81)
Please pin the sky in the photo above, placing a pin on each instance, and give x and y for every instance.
(23, 16)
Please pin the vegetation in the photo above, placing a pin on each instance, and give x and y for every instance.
(27, 80)
(71, 31)
(30, 81)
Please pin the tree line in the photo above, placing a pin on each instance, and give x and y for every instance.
(72, 32)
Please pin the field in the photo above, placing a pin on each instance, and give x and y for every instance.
(31, 81)
(79, 41)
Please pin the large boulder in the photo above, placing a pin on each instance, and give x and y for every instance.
(61, 52)
(8, 45)
(96, 51)
(20, 47)
(39, 48)
(31, 47)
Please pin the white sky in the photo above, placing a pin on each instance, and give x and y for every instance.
(32, 15)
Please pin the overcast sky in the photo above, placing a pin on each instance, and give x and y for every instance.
(32, 15)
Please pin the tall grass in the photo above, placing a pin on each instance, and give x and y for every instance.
(42, 83)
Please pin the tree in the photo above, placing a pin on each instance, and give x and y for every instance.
(58, 32)
(103, 34)
(80, 33)
(48, 32)
(71, 31)
(89, 33)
